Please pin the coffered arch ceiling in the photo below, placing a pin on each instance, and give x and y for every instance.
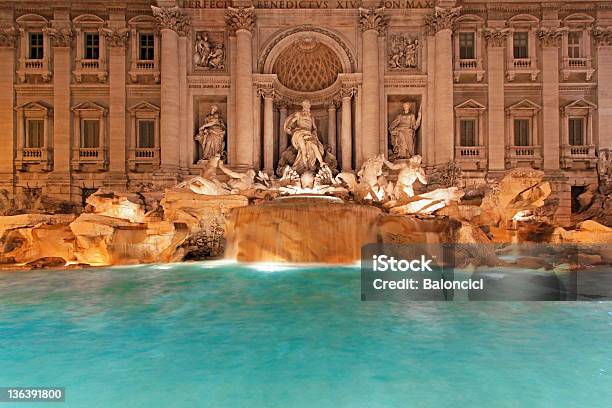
(307, 65)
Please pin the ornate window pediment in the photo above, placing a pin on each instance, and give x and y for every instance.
(34, 121)
(90, 146)
(576, 46)
(521, 47)
(522, 141)
(144, 141)
(34, 48)
(578, 146)
(470, 106)
(470, 149)
(524, 106)
(91, 48)
(143, 64)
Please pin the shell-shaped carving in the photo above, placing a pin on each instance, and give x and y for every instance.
(307, 66)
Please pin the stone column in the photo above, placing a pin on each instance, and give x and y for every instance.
(61, 40)
(551, 42)
(241, 22)
(172, 23)
(186, 153)
(332, 106)
(346, 139)
(440, 26)
(116, 38)
(268, 129)
(7, 104)
(282, 135)
(603, 41)
(372, 24)
(496, 40)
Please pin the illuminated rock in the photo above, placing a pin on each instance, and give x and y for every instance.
(428, 203)
(520, 190)
(116, 205)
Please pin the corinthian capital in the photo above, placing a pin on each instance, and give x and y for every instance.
(60, 37)
(372, 19)
(495, 37)
(241, 18)
(441, 19)
(551, 36)
(116, 37)
(8, 35)
(602, 36)
(172, 19)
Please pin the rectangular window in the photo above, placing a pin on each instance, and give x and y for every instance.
(147, 47)
(574, 44)
(468, 132)
(576, 131)
(90, 136)
(466, 46)
(36, 133)
(146, 134)
(36, 46)
(92, 46)
(521, 45)
(521, 132)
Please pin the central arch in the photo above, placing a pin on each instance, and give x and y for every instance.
(287, 39)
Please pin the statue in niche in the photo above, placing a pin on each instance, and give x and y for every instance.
(403, 133)
(303, 130)
(211, 135)
(208, 54)
(403, 53)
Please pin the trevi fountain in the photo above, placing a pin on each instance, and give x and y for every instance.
(306, 211)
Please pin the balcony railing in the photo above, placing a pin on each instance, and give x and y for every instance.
(522, 63)
(144, 67)
(579, 66)
(28, 156)
(34, 67)
(95, 67)
(524, 154)
(91, 156)
(143, 155)
(574, 155)
(468, 66)
(522, 66)
(90, 153)
(475, 152)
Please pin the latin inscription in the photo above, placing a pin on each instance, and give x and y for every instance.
(307, 4)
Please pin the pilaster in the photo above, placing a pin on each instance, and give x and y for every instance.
(496, 39)
(603, 41)
(8, 38)
(116, 38)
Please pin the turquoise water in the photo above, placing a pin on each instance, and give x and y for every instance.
(195, 335)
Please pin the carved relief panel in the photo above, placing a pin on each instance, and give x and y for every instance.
(209, 51)
(404, 52)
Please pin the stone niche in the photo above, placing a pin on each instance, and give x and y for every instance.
(202, 106)
(395, 105)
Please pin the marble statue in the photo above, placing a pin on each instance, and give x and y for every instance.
(372, 184)
(207, 183)
(409, 173)
(303, 130)
(211, 135)
(403, 52)
(239, 181)
(207, 54)
(403, 132)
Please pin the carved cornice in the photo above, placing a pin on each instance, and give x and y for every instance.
(60, 37)
(441, 19)
(241, 19)
(551, 36)
(172, 19)
(8, 36)
(495, 37)
(116, 37)
(602, 36)
(372, 19)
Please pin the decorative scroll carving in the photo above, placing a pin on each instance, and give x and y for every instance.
(551, 37)
(372, 19)
(403, 52)
(495, 37)
(266, 92)
(241, 18)
(208, 54)
(60, 37)
(603, 36)
(116, 37)
(8, 36)
(347, 91)
(441, 19)
(172, 19)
